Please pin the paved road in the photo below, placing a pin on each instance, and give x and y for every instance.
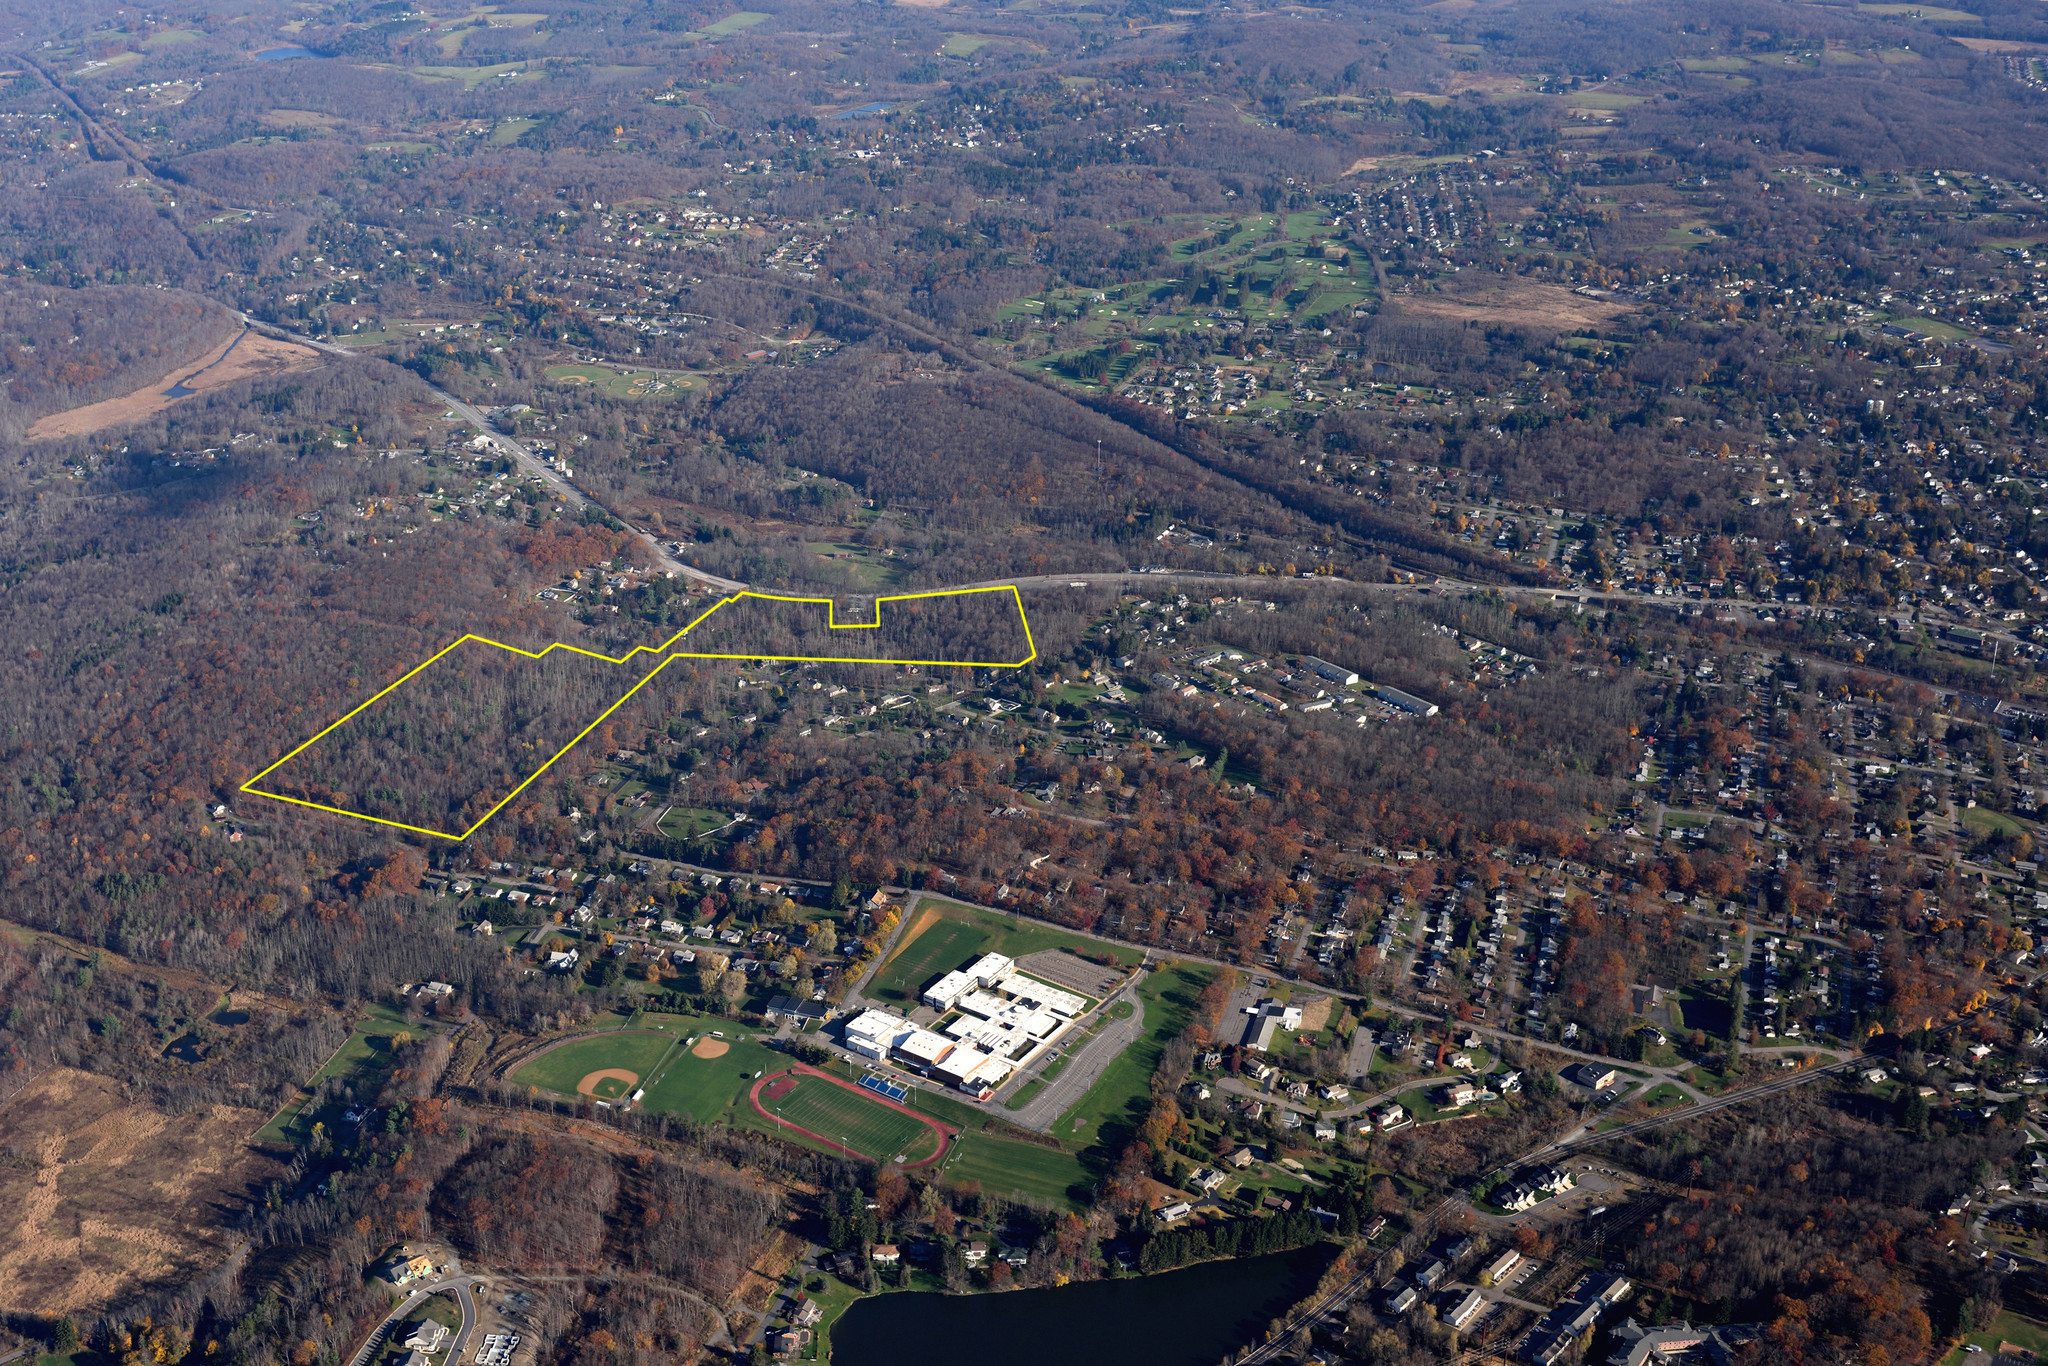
(1278, 1343)
(532, 464)
(1086, 1062)
(459, 1283)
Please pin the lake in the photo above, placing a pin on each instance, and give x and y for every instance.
(1191, 1317)
(285, 54)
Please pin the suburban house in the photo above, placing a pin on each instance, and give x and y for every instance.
(888, 1254)
(1458, 1095)
(1175, 1212)
(406, 1266)
(427, 1337)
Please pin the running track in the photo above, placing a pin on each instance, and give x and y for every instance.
(945, 1131)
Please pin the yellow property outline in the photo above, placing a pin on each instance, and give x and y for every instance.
(831, 621)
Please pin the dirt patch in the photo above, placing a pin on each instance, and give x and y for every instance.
(1516, 302)
(777, 1089)
(711, 1048)
(247, 355)
(1486, 82)
(588, 1086)
(1999, 45)
(114, 1197)
(1315, 1014)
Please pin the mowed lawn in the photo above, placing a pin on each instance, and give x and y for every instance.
(1102, 1122)
(941, 947)
(959, 935)
(866, 1126)
(714, 1090)
(632, 1050)
(1019, 1169)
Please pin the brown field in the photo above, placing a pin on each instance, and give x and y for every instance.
(257, 355)
(101, 1197)
(711, 1048)
(1999, 45)
(1517, 302)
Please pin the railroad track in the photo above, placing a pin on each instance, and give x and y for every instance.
(1369, 1278)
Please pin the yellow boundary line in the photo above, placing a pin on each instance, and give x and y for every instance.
(831, 621)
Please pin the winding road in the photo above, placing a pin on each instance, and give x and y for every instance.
(533, 465)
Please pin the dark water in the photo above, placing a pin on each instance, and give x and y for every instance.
(1191, 1317)
(231, 1017)
(285, 54)
(186, 1049)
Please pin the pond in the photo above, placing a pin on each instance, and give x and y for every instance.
(285, 54)
(1192, 1317)
(189, 1048)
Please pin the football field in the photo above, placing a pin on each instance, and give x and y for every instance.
(838, 1115)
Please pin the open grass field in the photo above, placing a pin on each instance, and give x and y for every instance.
(109, 1197)
(2007, 1327)
(937, 948)
(1934, 14)
(563, 1070)
(874, 1130)
(1022, 1169)
(688, 822)
(616, 381)
(733, 23)
(1102, 1121)
(1981, 821)
(368, 1051)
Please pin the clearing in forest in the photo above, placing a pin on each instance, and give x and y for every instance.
(249, 355)
(480, 716)
(103, 1196)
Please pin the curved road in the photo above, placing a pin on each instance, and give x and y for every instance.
(527, 461)
(460, 1284)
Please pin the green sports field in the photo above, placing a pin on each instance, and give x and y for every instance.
(958, 935)
(636, 1051)
(868, 1127)
(943, 946)
(713, 1090)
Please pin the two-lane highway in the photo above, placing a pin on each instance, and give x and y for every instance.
(533, 465)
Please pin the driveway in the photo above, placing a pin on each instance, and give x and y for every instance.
(1086, 1062)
